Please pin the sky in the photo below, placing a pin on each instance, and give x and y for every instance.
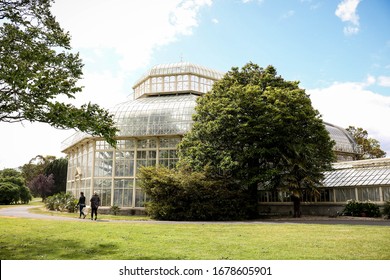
(339, 50)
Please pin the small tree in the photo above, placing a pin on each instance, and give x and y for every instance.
(371, 147)
(42, 186)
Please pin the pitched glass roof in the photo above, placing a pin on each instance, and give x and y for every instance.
(359, 173)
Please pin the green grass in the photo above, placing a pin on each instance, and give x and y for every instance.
(30, 239)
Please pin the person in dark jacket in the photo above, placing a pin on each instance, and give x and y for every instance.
(81, 204)
(95, 203)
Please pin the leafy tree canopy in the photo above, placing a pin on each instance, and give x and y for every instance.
(13, 176)
(58, 167)
(13, 188)
(42, 186)
(371, 147)
(37, 67)
(36, 166)
(259, 130)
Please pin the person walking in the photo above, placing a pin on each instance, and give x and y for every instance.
(81, 204)
(95, 203)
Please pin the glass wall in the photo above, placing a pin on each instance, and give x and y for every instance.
(176, 78)
(96, 166)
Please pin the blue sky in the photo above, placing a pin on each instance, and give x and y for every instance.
(338, 49)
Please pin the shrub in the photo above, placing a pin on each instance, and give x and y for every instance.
(115, 209)
(177, 195)
(361, 209)
(24, 194)
(386, 209)
(9, 193)
(61, 202)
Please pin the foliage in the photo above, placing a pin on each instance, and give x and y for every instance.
(9, 172)
(61, 202)
(47, 165)
(37, 68)
(42, 186)
(370, 146)
(115, 209)
(13, 178)
(361, 209)
(179, 195)
(257, 129)
(59, 169)
(9, 193)
(24, 194)
(36, 166)
(386, 209)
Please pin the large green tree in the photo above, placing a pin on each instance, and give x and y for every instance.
(260, 130)
(371, 147)
(37, 67)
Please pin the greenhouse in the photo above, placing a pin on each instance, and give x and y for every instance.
(360, 180)
(151, 125)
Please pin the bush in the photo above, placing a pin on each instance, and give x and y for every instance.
(191, 196)
(24, 194)
(361, 209)
(115, 209)
(386, 209)
(9, 193)
(61, 202)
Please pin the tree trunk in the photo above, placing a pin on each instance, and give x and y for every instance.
(297, 206)
(253, 211)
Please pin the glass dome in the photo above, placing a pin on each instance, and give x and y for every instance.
(344, 140)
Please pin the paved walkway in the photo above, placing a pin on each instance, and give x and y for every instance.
(23, 212)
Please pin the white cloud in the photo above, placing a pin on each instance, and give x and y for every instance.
(346, 104)
(116, 38)
(346, 11)
(370, 80)
(214, 20)
(384, 81)
(133, 29)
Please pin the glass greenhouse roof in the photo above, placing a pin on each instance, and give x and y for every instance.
(359, 173)
(344, 141)
(181, 68)
(153, 116)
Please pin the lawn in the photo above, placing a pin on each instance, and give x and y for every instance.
(30, 239)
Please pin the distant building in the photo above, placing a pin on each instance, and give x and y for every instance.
(150, 127)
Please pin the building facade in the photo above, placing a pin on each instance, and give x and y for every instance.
(150, 127)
